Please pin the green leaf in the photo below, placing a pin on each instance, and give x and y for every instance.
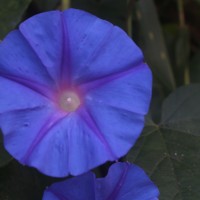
(5, 158)
(151, 41)
(169, 151)
(10, 14)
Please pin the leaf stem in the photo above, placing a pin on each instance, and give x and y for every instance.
(65, 4)
(130, 4)
(181, 13)
(182, 25)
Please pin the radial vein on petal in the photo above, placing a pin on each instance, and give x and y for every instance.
(48, 125)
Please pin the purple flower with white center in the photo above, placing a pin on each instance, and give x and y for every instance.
(123, 182)
(73, 92)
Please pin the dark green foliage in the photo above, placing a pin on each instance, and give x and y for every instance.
(5, 158)
(150, 39)
(11, 12)
(18, 182)
(169, 151)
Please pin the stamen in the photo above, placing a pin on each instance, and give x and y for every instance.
(69, 101)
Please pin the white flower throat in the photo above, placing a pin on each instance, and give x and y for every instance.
(69, 101)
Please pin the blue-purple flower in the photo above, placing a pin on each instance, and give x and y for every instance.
(123, 182)
(73, 92)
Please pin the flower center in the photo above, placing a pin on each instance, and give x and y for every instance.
(69, 101)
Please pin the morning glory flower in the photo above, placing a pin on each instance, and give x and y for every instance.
(74, 90)
(124, 181)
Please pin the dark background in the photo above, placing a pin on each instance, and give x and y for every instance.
(168, 32)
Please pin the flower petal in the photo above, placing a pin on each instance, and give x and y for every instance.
(50, 153)
(77, 188)
(126, 181)
(72, 146)
(87, 150)
(21, 127)
(102, 63)
(48, 195)
(130, 90)
(18, 60)
(15, 96)
(120, 128)
(123, 182)
(98, 48)
(45, 34)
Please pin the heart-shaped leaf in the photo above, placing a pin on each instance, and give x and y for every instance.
(169, 151)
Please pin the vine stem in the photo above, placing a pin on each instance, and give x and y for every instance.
(182, 25)
(65, 4)
(180, 4)
(130, 4)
